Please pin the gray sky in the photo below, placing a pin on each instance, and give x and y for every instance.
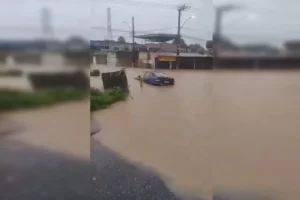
(275, 20)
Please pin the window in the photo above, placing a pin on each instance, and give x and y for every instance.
(158, 74)
(152, 75)
(146, 75)
(104, 47)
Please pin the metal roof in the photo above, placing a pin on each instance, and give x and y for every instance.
(157, 37)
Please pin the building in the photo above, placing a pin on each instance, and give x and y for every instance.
(99, 46)
(22, 45)
(292, 47)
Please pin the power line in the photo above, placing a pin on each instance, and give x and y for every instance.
(139, 3)
(162, 29)
(149, 31)
(145, 4)
(105, 28)
(137, 31)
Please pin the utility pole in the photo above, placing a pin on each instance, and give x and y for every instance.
(218, 31)
(133, 46)
(180, 9)
(220, 10)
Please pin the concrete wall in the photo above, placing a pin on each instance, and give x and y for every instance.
(258, 63)
(27, 58)
(125, 59)
(44, 80)
(203, 62)
(19, 59)
(98, 59)
(168, 47)
(78, 59)
(3, 56)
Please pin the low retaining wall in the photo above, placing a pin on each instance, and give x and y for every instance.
(77, 59)
(27, 58)
(46, 80)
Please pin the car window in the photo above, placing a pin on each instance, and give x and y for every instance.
(158, 74)
(146, 75)
(152, 75)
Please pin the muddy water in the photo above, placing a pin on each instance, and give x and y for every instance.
(234, 131)
(61, 128)
(256, 132)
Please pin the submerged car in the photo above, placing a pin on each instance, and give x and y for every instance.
(156, 78)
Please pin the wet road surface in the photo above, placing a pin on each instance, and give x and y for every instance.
(113, 177)
(33, 173)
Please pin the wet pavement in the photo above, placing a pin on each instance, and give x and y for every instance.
(33, 173)
(113, 177)
(36, 174)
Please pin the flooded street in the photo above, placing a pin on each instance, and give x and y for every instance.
(53, 128)
(212, 131)
(50, 128)
(256, 133)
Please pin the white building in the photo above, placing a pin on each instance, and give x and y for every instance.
(109, 46)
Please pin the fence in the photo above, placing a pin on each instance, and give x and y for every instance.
(115, 79)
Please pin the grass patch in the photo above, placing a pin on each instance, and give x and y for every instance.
(103, 99)
(15, 100)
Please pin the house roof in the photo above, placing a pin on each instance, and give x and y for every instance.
(157, 37)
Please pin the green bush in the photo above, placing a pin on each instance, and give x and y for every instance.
(15, 100)
(103, 99)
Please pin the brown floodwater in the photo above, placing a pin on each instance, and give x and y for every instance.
(61, 128)
(212, 131)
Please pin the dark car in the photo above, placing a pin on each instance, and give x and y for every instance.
(157, 79)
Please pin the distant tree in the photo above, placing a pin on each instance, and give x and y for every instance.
(197, 48)
(209, 44)
(121, 39)
(112, 41)
(76, 42)
(182, 43)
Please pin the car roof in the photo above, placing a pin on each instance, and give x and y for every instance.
(155, 72)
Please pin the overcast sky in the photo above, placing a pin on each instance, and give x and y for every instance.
(270, 21)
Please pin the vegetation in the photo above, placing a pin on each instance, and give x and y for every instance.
(196, 48)
(182, 43)
(121, 39)
(103, 99)
(15, 100)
